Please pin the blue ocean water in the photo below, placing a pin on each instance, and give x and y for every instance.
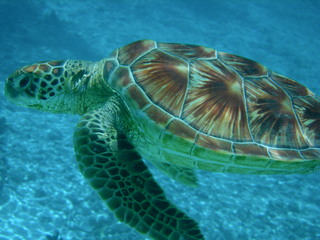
(43, 195)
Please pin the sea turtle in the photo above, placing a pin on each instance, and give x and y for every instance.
(180, 106)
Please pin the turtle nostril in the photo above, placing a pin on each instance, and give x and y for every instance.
(10, 81)
(24, 82)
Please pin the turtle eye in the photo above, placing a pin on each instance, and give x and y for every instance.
(20, 81)
(24, 82)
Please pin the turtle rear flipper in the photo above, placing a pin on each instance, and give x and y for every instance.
(116, 171)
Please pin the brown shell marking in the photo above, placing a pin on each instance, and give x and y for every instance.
(164, 79)
(308, 111)
(293, 88)
(250, 148)
(108, 69)
(179, 128)
(271, 116)
(310, 154)
(235, 105)
(213, 143)
(215, 103)
(131, 52)
(120, 78)
(178, 136)
(159, 116)
(284, 154)
(244, 66)
(134, 92)
(188, 51)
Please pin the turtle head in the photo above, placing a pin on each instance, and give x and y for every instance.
(33, 85)
(56, 86)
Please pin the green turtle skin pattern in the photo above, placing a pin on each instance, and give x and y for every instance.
(182, 107)
(116, 171)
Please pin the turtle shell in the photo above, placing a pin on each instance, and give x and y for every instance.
(215, 103)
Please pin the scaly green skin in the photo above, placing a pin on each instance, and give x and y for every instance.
(75, 88)
(103, 144)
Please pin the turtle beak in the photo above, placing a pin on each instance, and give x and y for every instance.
(17, 94)
(10, 91)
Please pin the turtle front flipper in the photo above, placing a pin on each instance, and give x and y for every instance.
(116, 171)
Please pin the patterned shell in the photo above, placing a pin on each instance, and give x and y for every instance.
(218, 100)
